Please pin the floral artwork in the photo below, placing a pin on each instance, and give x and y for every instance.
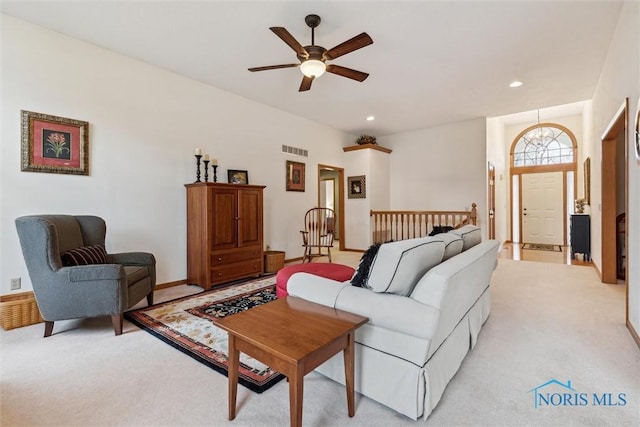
(54, 144)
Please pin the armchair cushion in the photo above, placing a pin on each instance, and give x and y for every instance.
(135, 273)
(132, 258)
(85, 255)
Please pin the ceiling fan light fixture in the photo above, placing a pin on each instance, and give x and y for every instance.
(313, 68)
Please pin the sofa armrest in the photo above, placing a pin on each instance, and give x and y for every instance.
(315, 288)
(390, 311)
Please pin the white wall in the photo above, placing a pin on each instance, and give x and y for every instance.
(620, 79)
(144, 125)
(440, 168)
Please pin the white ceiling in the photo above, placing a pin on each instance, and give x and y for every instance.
(431, 62)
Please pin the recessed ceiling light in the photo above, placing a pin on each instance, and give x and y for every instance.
(370, 118)
(515, 83)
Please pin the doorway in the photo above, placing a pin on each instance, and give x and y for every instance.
(544, 159)
(615, 196)
(331, 195)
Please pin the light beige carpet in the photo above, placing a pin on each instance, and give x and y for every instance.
(548, 321)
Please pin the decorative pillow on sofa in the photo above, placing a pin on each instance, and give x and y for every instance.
(471, 235)
(360, 277)
(398, 266)
(452, 245)
(85, 255)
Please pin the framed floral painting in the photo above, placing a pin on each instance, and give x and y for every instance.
(54, 144)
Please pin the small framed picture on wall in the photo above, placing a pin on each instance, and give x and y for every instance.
(357, 187)
(295, 172)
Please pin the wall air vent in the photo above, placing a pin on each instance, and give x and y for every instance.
(295, 151)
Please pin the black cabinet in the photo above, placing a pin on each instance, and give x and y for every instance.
(581, 236)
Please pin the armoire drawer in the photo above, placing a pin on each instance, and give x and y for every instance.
(223, 258)
(225, 273)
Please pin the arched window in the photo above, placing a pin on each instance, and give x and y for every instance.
(544, 144)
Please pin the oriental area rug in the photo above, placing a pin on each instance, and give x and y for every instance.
(187, 325)
(542, 247)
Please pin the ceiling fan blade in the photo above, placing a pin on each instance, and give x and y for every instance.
(273, 67)
(290, 40)
(355, 43)
(347, 72)
(306, 83)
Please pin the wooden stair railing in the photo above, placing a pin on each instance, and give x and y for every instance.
(402, 225)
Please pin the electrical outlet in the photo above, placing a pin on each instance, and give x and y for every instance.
(16, 284)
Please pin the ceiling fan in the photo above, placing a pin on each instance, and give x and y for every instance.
(313, 58)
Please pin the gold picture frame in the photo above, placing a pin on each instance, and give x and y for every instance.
(295, 176)
(54, 144)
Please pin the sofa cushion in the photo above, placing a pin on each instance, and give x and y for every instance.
(399, 265)
(471, 235)
(360, 278)
(452, 245)
(85, 255)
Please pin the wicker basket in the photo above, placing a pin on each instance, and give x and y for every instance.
(17, 310)
(273, 261)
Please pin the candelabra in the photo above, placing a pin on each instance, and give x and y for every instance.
(198, 157)
(215, 171)
(206, 170)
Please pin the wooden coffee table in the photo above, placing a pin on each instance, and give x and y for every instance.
(292, 336)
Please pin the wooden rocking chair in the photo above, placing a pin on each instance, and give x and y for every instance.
(319, 225)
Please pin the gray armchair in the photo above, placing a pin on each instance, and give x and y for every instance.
(71, 292)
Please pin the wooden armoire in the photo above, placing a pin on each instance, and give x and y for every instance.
(224, 232)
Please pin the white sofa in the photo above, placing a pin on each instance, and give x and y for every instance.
(424, 313)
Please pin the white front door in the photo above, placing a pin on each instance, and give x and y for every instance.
(542, 208)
